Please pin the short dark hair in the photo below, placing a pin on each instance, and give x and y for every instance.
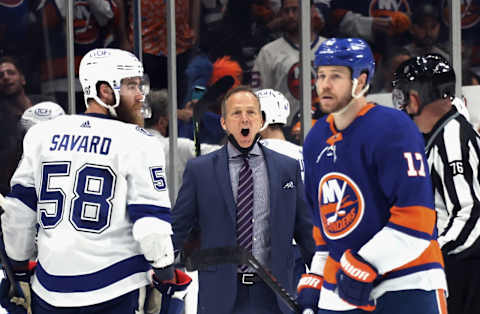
(283, 2)
(238, 89)
(421, 10)
(158, 100)
(14, 61)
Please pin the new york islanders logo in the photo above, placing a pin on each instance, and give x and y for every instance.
(341, 205)
(470, 13)
(11, 3)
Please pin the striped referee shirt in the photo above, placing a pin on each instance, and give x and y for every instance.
(453, 152)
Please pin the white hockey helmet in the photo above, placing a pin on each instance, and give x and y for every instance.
(110, 66)
(43, 111)
(274, 105)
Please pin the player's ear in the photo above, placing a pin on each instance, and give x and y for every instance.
(105, 92)
(222, 123)
(362, 81)
(413, 102)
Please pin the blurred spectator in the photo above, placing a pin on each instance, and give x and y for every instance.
(14, 25)
(383, 23)
(244, 29)
(322, 7)
(154, 40)
(370, 19)
(470, 23)
(12, 87)
(425, 31)
(120, 30)
(92, 26)
(19, 36)
(212, 12)
(277, 64)
(10, 145)
(223, 67)
(210, 129)
(469, 77)
(198, 73)
(294, 133)
(389, 63)
(13, 129)
(158, 126)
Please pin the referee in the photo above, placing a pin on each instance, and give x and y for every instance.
(423, 88)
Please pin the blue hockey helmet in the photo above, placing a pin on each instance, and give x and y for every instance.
(353, 53)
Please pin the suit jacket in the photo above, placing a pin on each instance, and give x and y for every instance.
(206, 202)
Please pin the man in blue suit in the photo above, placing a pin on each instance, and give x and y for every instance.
(244, 179)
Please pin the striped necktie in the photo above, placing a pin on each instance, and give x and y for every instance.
(245, 209)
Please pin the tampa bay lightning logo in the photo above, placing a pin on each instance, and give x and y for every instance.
(143, 131)
(43, 112)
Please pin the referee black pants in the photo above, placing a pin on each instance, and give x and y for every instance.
(463, 278)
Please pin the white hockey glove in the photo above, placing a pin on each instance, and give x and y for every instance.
(158, 249)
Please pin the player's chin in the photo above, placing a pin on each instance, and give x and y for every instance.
(327, 107)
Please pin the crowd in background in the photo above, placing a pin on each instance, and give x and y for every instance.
(254, 41)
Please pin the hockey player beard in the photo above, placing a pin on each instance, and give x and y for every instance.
(338, 108)
(130, 114)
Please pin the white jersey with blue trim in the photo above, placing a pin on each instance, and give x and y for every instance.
(85, 180)
(286, 148)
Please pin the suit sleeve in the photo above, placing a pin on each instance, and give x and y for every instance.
(303, 224)
(184, 213)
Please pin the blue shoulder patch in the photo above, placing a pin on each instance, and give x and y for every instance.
(143, 131)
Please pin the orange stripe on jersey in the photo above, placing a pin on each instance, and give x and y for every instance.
(331, 121)
(417, 218)
(365, 109)
(330, 270)
(441, 301)
(432, 254)
(337, 137)
(317, 236)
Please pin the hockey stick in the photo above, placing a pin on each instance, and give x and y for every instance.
(4, 260)
(211, 95)
(237, 255)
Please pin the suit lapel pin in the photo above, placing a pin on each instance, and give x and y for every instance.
(288, 185)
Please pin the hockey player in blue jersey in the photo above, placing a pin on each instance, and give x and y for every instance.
(95, 186)
(367, 184)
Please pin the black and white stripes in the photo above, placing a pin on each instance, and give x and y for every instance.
(453, 158)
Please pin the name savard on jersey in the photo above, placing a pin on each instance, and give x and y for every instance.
(81, 143)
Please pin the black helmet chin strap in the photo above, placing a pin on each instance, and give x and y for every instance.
(243, 150)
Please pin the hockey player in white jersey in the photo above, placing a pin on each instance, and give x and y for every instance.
(95, 185)
(276, 110)
(43, 111)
